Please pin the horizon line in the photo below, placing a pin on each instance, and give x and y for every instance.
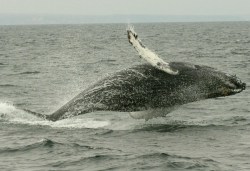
(39, 19)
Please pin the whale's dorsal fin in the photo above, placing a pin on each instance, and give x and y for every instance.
(147, 54)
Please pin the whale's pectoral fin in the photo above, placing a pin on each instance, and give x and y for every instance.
(147, 54)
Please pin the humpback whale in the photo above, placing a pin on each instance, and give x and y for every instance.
(149, 90)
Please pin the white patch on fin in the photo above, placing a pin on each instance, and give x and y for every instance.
(151, 113)
(147, 54)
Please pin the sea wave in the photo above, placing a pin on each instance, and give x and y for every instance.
(180, 161)
(177, 127)
(8, 85)
(29, 72)
(48, 143)
(42, 143)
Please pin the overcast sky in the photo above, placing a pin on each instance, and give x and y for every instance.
(126, 7)
(120, 11)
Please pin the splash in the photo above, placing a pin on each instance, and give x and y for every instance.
(8, 112)
(112, 121)
(11, 114)
(120, 121)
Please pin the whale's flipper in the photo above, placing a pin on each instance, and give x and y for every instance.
(147, 54)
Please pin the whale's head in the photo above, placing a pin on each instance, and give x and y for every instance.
(222, 84)
(211, 82)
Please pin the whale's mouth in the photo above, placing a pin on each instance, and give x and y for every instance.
(232, 85)
(235, 85)
(235, 91)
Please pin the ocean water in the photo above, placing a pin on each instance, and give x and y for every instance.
(43, 67)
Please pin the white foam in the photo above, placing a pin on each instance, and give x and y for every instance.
(80, 123)
(11, 114)
(103, 119)
(6, 107)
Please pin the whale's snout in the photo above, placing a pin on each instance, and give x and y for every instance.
(236, 85)
(244, 86)
(240, 85)
(225, 85)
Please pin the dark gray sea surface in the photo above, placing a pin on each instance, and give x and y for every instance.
(43, 67)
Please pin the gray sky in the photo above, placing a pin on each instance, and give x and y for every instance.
(126, 7)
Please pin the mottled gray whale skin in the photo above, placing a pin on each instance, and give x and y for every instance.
(145, 90)
(143, 87)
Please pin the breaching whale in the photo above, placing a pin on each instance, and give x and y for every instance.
(149, 90)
